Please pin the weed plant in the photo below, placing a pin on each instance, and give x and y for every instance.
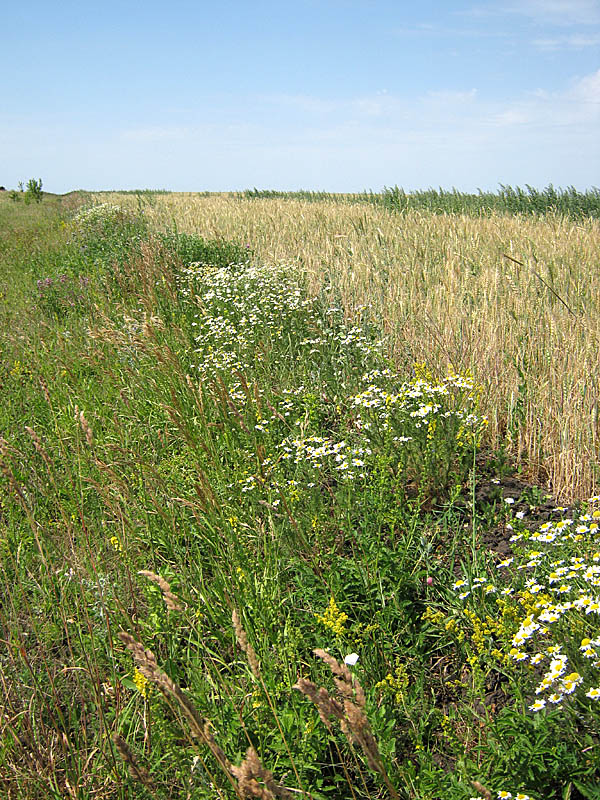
(234, 555)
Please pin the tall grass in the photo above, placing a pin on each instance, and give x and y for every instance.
(507, 200)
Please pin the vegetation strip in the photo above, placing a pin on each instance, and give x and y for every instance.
(241, 552)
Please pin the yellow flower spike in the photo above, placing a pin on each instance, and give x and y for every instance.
(141, 683)
(333, 618)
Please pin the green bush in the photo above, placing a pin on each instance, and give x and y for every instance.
(34, 191)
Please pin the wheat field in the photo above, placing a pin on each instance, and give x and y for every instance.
(512, 298)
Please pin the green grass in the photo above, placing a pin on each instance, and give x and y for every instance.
(508, 200)
(173, 408)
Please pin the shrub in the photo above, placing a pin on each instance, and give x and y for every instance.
(34, 191)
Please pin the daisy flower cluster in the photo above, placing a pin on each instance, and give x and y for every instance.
(428, 424)
(557, 597)
(251, 322)
(91, 216)
(93, 225)
(418, 403)
(244, 308)
(316, 451)
(504, 795)
(238, 310)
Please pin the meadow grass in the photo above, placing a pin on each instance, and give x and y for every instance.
(241, 531)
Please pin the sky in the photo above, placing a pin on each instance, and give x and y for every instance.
(332, 95)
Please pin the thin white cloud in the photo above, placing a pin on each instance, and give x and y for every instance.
(587, 92)
(382, 106)
(451, 97)
(511, 117)
(574, 42)
(543, 13)
(558, 12)
(578, 106)
(464, 138)
(156, 133)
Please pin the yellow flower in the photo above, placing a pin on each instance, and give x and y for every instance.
(333, 618)
(141, 683)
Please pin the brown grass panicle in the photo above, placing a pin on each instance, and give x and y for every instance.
(146, 663)
(250, 779)
(242, 638)
(137, 771)
(444, 293)
(350, 712)
(256, 781)
(85, 426)
(172, 602)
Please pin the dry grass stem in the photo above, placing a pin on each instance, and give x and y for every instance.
(85, 426)
(485, 793)
(37, 443)
(246, 777)
(148, 666)
(45, 390)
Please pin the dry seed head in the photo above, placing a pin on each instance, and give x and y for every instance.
(361, 733)
(145, 661)
(337, 669)
(85, 426)
(172, 602)
(248, 775)
(37, 443)
(36, 439)
(150, 324)
(45, 390)
(240, 635)
(137, 771)
(326, 705)
(350, 713)
(485, 793)
(345, 682)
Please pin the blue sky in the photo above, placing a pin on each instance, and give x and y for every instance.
(337, 95)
